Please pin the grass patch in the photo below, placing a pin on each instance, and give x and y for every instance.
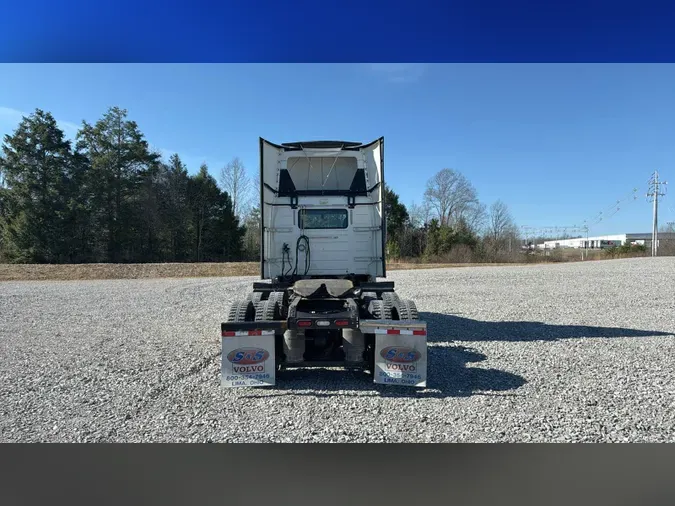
(73, 272)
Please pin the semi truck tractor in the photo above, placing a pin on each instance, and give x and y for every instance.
(323, 299)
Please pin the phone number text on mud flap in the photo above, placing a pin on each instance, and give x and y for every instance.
(248, 377)
(400, 375)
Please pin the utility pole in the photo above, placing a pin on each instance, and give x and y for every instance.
(655, 192)
(584, 252)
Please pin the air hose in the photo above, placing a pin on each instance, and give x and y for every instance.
(306, 249)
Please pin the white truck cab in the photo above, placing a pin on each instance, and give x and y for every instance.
(319, 303)
(331, 192)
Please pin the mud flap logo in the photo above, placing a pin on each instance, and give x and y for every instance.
(400, 358)
(248, 360)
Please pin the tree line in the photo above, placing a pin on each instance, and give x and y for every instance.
(108, 197)
(452, 224)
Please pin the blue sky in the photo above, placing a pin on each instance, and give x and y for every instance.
(558, 143)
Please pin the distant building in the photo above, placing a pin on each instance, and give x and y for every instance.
(607, 241)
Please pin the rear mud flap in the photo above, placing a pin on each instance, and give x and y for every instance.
(400, 351)
(248, 352)
(248, 359)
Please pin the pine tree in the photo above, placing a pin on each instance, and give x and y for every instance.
(177, 209)
(35, 166)
(120, 160)
(395, 213)
(217, 235)
(79, 197)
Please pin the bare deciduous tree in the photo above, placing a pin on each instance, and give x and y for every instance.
(500, 224)
(451, 197)
(236, 183)
(668, 228)
(254, 193)
(475, 216)
(419, 214)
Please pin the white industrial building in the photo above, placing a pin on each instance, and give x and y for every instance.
(606, 241)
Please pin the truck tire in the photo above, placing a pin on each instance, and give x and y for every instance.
(241, 311)
(254, 297)
(405, 310)
(390, 297)
(379, 310)
(282, 301)
(267, 310)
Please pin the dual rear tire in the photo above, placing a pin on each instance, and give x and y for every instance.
(388, 307)
(254, 309)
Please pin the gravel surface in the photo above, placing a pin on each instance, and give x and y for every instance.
(564, 352)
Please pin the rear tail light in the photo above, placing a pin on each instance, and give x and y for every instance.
(419, 332)
(304, 323)
(341, 323)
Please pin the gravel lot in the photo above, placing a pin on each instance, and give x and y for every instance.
(564, 352)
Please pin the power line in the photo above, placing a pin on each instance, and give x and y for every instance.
(587, 223)
(554, 229)
(544, 232)
(600, 216)
(655, 191)
(595, 219)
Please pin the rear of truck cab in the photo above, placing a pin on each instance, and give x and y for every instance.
(322, 249)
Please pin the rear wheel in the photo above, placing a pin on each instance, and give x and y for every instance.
(282, 302)
(254, 297)
(405, 310)
(390, 298)
(266, 311)
(241, 311)
(379, 310)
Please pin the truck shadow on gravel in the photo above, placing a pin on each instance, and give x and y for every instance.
(447, 373)
(448, 376)
(448, 327)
